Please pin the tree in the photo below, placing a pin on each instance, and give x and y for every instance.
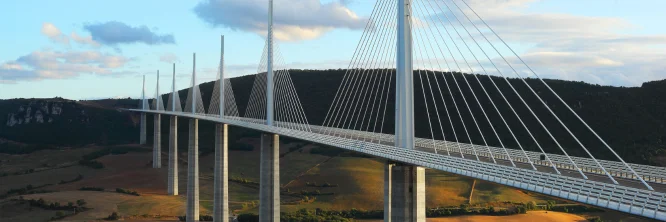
(81, 202)
(113, 216)
(59, 214)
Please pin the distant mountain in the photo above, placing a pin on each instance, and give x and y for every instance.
(61, 122)
(632, 120)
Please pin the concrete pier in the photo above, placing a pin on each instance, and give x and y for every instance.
(406, 193)
(192, 212)
(142, 129)
(157, 143)
(269, 183)
(221, 177)
(173, 156)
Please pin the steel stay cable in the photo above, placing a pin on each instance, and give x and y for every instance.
(451, 93)
(469, 108)
(572, 111)
(349, 73)
(482, 87)
(364, 76)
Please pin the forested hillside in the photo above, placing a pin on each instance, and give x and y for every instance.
(631, 119)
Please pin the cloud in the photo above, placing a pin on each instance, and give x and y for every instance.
(558, 45)
(51, 31)
(84, 40)
(58, 65)
(114, 33)
(55, 35)
(169, 58)
(294, 20)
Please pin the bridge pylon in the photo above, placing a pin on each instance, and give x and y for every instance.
(269, 179)
(192, 212)
(142, 123)
(157, 132)
(221, 177)
(172, 187)
(404, 185)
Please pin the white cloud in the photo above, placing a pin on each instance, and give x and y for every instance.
(560, 45)
(84, 40)
(56, 35)
(294, 20)
(58, 65)
(51, 31)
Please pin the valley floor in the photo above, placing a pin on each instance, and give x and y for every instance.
(354, 182)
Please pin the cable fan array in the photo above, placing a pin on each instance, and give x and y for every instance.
(288, 111)
(230, 108)
(362, 101)
(158, 104)
(174, 98)
(490, 118)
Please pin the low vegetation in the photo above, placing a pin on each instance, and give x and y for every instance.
(130, 192)
(89, 160)
(63, 210)
(314, 184)
(91, 188)
(79, 177)
(201, 218)
(113, 216)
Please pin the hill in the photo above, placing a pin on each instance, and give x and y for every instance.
(631, 119)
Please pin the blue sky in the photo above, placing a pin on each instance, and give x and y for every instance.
(72, 49)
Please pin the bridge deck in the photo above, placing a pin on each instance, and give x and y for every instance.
(628, 196)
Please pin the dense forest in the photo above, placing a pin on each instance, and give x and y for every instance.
(630, 119)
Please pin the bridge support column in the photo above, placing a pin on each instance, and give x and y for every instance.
(404, 193)
(221, 177)
(142, 129)
(157, 143)
(269, 182)
(192, 213)
(173, 157)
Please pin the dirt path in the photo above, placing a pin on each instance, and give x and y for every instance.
(300, 175)
(540, 216)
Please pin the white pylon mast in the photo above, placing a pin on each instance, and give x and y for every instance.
(269, 70)
(143, 94)
(221, 87)
(157, 92)
(404, 106)
(173, 88)
(194, 79)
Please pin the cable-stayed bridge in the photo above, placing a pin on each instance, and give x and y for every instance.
(405, 98)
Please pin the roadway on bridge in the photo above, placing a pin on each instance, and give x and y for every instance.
(565, 172)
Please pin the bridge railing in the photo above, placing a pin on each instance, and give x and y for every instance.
(649, 173)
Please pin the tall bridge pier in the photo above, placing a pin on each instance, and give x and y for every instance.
(404, 185)
(269, 182)
(157, 142)
(221, 177)
(172, 187)
(192, 213)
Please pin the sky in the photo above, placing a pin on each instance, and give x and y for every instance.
(101, 49)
